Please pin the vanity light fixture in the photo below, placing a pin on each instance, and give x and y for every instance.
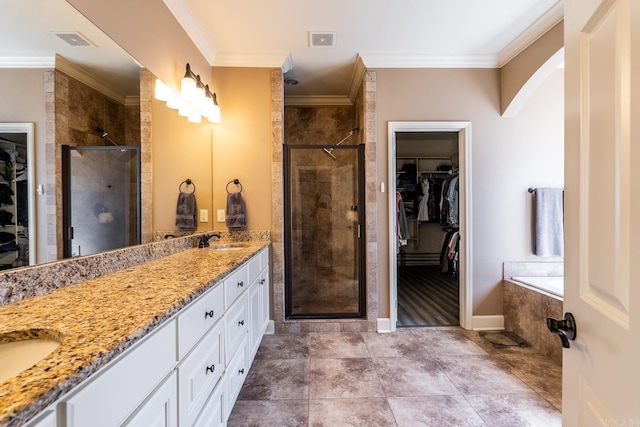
(194, 101)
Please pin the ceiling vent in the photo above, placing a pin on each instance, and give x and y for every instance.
(322, 39)
(75, 39)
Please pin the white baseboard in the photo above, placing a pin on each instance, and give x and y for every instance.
(384, 326)
(271, 328)
(486, 323)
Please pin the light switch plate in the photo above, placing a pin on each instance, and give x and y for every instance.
(204, 215)
(220, 215)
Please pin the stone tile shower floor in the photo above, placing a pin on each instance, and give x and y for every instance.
(414, 377)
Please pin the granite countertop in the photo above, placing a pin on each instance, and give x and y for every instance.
(98, 319)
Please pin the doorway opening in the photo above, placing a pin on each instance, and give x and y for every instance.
(101, 198)
(427, 174)
(430, 261)
(324, 233)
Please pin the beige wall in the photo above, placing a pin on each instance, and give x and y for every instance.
(23, 101)
(211, 155)
(180, 150)
(518, 71)
(508, 156)
(242, 142)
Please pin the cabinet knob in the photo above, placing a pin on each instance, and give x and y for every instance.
(241, 371)
(262, 281)
(210, 369)
(241, 323)
(208, 314)
(240, 284)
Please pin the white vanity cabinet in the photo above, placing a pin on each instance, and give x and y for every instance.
(188, 372)
(258, 298)
(114, 393)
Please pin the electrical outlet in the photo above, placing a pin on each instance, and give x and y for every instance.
(220, 215)
(204, 215)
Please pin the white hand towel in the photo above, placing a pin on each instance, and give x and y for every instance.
(549, 238)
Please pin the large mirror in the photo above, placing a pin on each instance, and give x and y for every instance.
(67, 78)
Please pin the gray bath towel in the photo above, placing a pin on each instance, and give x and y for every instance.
(236, 212)
(186, 212)
(549, 238)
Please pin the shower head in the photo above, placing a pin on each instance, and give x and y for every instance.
(329, 151)
(103, 133)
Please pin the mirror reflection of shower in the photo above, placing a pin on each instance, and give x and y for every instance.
(101, 197)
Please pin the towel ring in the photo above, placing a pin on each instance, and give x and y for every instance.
(188, 182)
(236, 182)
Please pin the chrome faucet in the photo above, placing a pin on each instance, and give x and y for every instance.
(203, 241)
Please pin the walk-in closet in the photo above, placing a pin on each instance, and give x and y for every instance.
(427, 192)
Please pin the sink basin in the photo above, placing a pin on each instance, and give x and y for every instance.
(229, 246)
(20, 350)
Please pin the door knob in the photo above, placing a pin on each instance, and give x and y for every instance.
(565, 328)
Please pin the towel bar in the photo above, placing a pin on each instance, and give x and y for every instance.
(236, 182)
(188, 182)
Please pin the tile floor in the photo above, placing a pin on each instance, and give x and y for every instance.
(415, 377)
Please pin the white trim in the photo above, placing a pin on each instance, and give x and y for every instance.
(391, 60)
(536, 30)
(384, 326)
(533, 83)
(72, 70)
(356, 79)
(27, 62)
(256, 60)
(271, 328)
(317, 100)
(27, 128)
(466, 257)
(488, 323)
(182, 12)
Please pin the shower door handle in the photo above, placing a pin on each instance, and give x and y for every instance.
(566, 328)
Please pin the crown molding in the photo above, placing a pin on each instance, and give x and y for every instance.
(356, 79)
(255, 60)
(132, 100)
(317, 100)
(81, 75)
(182, 12)
(391, 60)
(553, 16)
(27, 62)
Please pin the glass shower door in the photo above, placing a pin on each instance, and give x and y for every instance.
(101, 198)
(324, 209)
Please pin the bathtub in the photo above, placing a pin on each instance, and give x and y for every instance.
(552, 286)
(528, 302)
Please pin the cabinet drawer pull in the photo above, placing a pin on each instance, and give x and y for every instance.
(241, 323)
(208, 314)
(240, 284)
(241, 371)
(210, 369)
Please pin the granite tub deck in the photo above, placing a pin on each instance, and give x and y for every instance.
(98, 319)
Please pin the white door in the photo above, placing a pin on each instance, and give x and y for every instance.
(601, 370)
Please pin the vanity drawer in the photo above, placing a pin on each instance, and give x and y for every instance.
(264, 258)
(199, 374)
(253, 267)
(109, 397)
(236, 374)
(198, 318)
(237, 325)
(234, 285)
(213, 412)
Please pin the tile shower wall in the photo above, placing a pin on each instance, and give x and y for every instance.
(73, 112)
